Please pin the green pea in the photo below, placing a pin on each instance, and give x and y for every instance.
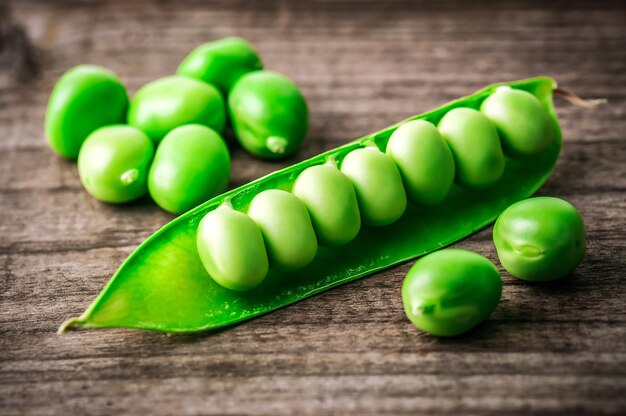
(221, 62)
(475, 147)
(540, 239)
(84, 99)
(164, 104)
(269, 114)
(190, 166)
(113, 163)
(331, 201)
(378, 185)
(522, 122)
(286, 228)
(450, 291)
(424, 160)
(231, 249)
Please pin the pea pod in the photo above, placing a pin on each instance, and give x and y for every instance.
(163, 285)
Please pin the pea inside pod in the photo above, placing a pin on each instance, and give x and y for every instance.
(450, 291)
(378, 185)
(521, 121)
(113, 163)
(475, 147)
(269, 114)
(331, 201)
(162, 105)
(540, 239)
(424, 161)
(84, 99)
(231, 249)
(221, 62)
(190, 166)
(286, 228)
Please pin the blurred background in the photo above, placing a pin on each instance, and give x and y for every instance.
(362, 65)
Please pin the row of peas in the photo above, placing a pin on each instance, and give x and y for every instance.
(328, 202)
(90, 118)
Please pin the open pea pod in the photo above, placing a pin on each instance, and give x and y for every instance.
(163, 286)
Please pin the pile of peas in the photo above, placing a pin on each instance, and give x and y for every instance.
(167, 140)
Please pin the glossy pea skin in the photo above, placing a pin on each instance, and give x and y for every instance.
(475, 147)
(424, 160)
(84, 99)
(378, 185)
(269, 114)
(331, 201)
(286, 227)
(522, 123)
(191, 165)
(450, 291)
(540, 239)
(231, 248)
(221, 62)
(113, 163)
(164, 104)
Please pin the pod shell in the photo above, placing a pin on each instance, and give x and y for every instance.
(540, 239)
(450, 291)
(523, 124)
(475, 146)
(113, 163)
(190, 166)
(269, 114)
(378, 185)
(331, 201)
(164, 104)
(424, 161)
(221, 63)
(286, 227)
(231, 248)
(84, 99)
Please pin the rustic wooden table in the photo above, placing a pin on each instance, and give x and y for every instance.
(548, 349)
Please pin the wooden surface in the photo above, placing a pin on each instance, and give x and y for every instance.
(548, 349)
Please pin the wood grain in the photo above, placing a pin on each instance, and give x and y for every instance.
(557, 348)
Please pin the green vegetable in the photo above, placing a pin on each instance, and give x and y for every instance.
(475, 146)
(331, 201)
(190, 166)
(221, 62)
(269, 114)
(450, 291)
(540, 239)
(231, 249)
(113, 163)
(424, 160)
(378, 185)
(286, 228)
(163, 285)
(84, 99)
(162, 105)
(522, 122)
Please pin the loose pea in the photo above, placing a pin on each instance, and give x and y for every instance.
(221, 62)
(424, 160)
(113, 163)
(378, 185)
(164, 104)
(84, 99)
(286, 228)
(475, 147)
(231, 249)
(331, 201)
(190, 166)
(522, 122)
(540, 239)
(269, 114)
(450, 291)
